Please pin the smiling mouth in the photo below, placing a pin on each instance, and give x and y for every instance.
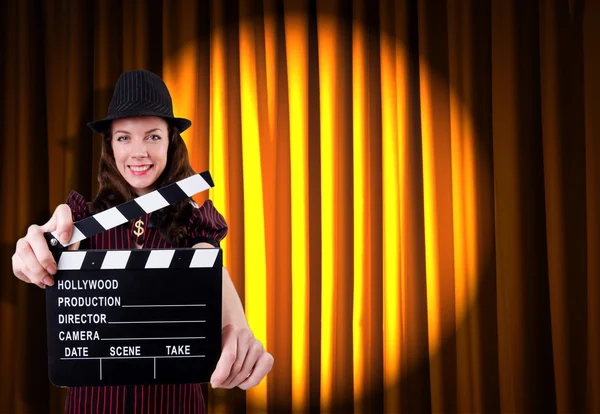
(139, 169)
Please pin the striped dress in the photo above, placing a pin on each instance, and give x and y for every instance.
(205, 225)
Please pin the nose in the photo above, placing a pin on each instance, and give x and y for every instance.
(139, 150)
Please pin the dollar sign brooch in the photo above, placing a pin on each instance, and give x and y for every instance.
(139, 229)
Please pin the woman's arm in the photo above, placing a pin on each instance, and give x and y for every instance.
(233, 311)
(244, 361)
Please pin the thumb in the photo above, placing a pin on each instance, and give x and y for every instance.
(62, 223)
(50, 225)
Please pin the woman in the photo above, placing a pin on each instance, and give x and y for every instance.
(142, 151)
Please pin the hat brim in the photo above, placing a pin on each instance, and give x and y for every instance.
(102, 125)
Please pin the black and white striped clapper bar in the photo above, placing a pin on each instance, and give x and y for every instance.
(131, 317)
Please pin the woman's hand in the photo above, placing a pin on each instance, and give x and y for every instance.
(32, 261)
(244, 361)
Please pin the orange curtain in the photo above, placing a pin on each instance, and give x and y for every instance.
(412, 188)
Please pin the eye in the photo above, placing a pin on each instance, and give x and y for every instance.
(122, 138)
(154, 137)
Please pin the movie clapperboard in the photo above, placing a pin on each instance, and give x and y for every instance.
(130, 317)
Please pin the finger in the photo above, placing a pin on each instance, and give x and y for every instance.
(19, 270)
(245, 341)
(46, 278)
(32, 268)
(64, 223)
(74, 246)
(38, 243)
(18, 267)
(228, 356)
(261, 369)
(254, 353)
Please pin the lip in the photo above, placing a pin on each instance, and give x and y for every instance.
(139, 173)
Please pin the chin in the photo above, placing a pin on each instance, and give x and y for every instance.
(141, 188)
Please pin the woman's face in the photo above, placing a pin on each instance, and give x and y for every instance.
(140, 146)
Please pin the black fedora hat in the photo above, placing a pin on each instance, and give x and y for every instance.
(140, 93)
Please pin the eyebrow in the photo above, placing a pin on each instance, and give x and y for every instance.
(147, 132)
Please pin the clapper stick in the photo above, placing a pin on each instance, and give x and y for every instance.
(133, 317)
(137, 207)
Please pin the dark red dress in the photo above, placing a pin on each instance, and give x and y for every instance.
(205, 225)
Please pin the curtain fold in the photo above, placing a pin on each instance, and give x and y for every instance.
(591, 66)
(563, 114)
(412, 188)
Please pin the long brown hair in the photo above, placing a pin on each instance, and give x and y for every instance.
(115, 190)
